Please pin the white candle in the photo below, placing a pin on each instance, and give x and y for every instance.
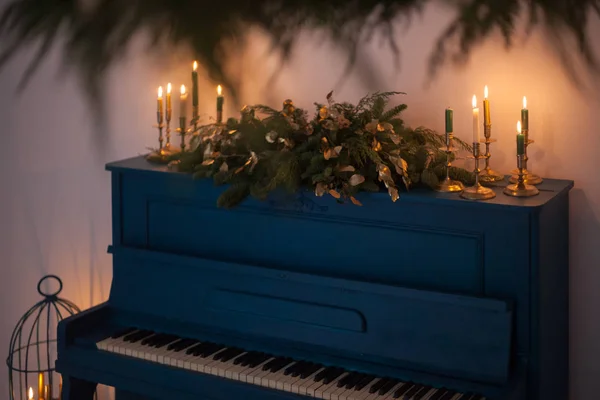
(30, 394)
(475, 120)
(183, 98)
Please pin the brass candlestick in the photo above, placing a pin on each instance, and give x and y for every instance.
(477, 192)
(449, 185)
(488, 175)
(528, 176)
(182, 130)
(521, 188)
(160, 155)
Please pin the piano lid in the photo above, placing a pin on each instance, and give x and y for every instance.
(458, 336)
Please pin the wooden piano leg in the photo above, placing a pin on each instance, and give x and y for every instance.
(77, 389)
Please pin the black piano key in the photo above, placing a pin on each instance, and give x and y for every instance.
(412, 391)
(280, 365)
(422, 393)
(132, 335)
(292, 368)
(378, 385)
(270, 364)
(167, 339)
(333, 376)
(302, 367)
(232, 354)
(403, 389)
(354, 379)
(202, 349)
(388, 386)
(139, 336)
(438, 395)
(123, 332)
(364, 382)
(310, 370)
(209, 351)
(347, 378)
(241, 359)
(182, 344)
(477, 397)
(258, 359)
(149, 340)
(319, 377)
(197, 348)
(219, 356)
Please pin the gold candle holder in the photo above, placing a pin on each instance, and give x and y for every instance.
(528, 176)
(182, 130)
(477, 192)
(488, 175)
(449, 185)
(521, 188)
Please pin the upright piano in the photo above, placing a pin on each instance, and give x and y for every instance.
(432, 297)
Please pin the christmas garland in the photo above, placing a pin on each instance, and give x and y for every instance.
(342, 150)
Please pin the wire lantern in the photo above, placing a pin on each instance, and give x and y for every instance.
(32, 352)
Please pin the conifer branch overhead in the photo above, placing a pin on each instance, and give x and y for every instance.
(98, 32)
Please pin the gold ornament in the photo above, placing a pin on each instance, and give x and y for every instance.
(372, 126)
(210, 161)
(346, 168)
(384, 126)
(271, 136)
(323, 113)
(376, 145)
(395, 138)
(356, 179)
(288, 107)
(385, 176)
(400, 164)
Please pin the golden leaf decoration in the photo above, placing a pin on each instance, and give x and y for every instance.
(395, 138)
(372, 126)
(224, 167)
(320, 189)
(208, 162)
(384, 126)
(231, 132)
(400, 164)
(355, 201)
(346, 168)
(323, 112)
(393, 193)
(338, 150)
(356, 179)
(335, 194)
(253, 160)
(271, 136)
(376, 145)
(327, 154)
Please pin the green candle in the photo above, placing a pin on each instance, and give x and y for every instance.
(520, 140)
(195, 86)
(525, 115)
(449, 120)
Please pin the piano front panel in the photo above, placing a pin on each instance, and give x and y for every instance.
(458, 247)
(399, 327)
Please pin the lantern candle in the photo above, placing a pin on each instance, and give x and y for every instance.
(159, 106)
(169, 106)
(525, 115)
(41, 386)
(475, 120)
(520, 140)
(220, 101)
(195, 87)
(486, 107)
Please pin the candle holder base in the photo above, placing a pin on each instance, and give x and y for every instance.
(528, 177)
(478, 192)
(450, 186)
(521, 190)
(488, 176)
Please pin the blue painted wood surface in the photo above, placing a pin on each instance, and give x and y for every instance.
(434, 288)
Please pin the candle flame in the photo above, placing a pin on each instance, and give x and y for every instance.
(485, 92)
(169, 87)
(195, 66)
(524, 102)
(30, 396)
(519, 126)
(182, 89)
(159, 91)
(474, 102)
(219, 90)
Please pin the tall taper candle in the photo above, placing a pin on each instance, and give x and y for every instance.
(41, 386)
(30, 393)
(520, 140)
(525, 115)
(486, 107)
(195, 85)
(449, 124)
(220, 101)
(169, 106)
(183, 103)
(475, 120)
(159, 106)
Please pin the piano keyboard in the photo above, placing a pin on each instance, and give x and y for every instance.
(270, 371)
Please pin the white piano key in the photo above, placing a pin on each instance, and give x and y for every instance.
(324, 392)
(310, 391)
(278, 376)
(248, 375)
(308, 382)
(390, 395)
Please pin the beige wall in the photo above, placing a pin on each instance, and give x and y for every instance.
(55, 198)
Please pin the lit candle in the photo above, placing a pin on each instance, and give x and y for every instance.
(475, 120)
(30, 393)
(169, 106)
(520, 140)
(159, 106)
(486, 107)
(220, 101)
(41, 386)
(46, 393)
(183, 102)
(525, 115)
(195, 86)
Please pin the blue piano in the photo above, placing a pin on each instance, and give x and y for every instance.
(432, 297)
